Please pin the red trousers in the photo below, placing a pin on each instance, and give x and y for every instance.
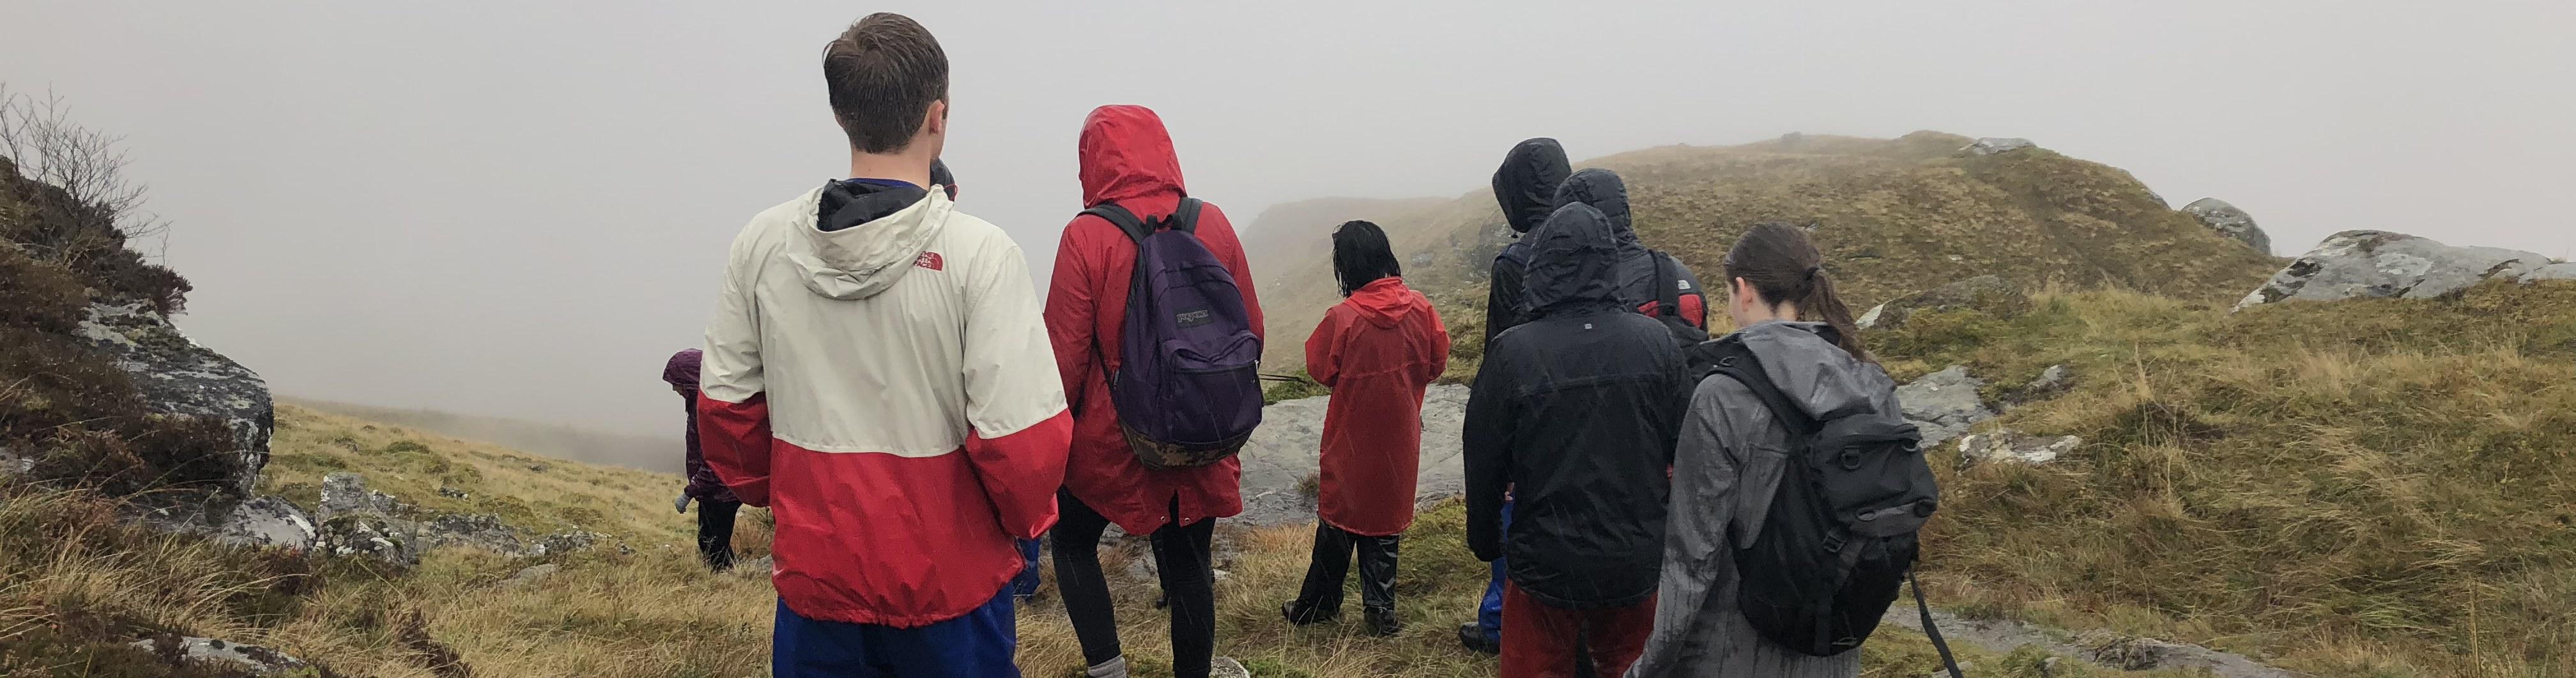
(1547, 642)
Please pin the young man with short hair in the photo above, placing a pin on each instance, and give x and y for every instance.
(878, 375)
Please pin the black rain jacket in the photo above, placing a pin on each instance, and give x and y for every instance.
(1641, 284)
(1526, 188)
(1577, 411)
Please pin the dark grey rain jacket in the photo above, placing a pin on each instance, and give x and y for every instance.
(1731, 456)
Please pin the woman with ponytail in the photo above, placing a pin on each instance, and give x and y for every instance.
(1730, 457)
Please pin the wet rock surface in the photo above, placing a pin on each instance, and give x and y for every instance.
(2012, 447)
(252, 658)
(358, 521)
(1283, 453)
(1944, 404)
(2551, 272)
(1994, 145)
(177, 376)
(2381, 264)
(2229, 221)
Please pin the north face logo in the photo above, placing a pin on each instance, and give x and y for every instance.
(929, 260)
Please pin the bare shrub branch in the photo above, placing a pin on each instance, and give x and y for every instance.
(40, 136)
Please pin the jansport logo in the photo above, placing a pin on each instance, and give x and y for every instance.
(929, 260)
(1189, 319)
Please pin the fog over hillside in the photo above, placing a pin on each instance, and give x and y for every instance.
(562, 441)
(519, 210)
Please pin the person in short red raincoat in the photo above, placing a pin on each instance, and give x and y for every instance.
(1126, 158)
(1378, 351)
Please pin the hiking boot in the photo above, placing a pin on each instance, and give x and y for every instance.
(1305, 616)
(1473, 638)
(1227, 667)
(1382, 623)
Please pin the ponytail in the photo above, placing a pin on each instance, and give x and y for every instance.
(1784, 266)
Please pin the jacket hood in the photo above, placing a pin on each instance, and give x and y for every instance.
(1801, 358)
(865, 237)
(1526, 183)
(1386, 301)
(1126, 154)
(1603, 190)
(682, 370)
(1571, 260)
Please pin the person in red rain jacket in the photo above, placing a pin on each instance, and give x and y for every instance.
(1126, 158)
(1377, 350)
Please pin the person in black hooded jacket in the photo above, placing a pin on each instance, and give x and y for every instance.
(1647, 279)
(1577, 411)
(1526, 187)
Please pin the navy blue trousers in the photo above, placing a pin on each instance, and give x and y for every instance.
(1489, 616)
(978, 645)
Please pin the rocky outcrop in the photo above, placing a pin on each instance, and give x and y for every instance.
(251, 658)
(1944, 404)
(361, 522)
(1283, 451)
(1989, 294)
(2052, 381)
(2551, 272)
(1994, 145)
(346, 493)
(2229, 221)
(267, 521)
(177, 376)
(2010, 446)
(390, 540)
(2380, 264)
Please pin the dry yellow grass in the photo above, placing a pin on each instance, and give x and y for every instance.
(2376, 488)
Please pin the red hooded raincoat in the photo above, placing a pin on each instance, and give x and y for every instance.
(1126, 158)
(1378, 350)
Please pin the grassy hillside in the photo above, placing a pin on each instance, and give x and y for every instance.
(2368, 488)
(76, 581)
(2360, 488)
(659, 451)
(1894, 216)
(1288, 235)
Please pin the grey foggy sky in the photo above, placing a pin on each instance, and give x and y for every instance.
(521, 208)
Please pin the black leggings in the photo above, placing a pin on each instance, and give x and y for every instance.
(1180, 555)
(715, 533)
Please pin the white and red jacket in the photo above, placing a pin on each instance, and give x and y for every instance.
(888, 391)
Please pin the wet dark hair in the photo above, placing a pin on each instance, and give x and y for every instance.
(1784, 267)
(1361, 256)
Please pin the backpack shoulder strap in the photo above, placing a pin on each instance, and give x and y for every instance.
(1184, 218)
(1737, 362)
(1668, 288)
(1931, 631)
(1125, 221)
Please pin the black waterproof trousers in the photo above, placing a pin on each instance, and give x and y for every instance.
(1321, 598)
(1181, 556)
(715, 533)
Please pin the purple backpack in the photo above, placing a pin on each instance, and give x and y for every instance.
(1188, 385)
